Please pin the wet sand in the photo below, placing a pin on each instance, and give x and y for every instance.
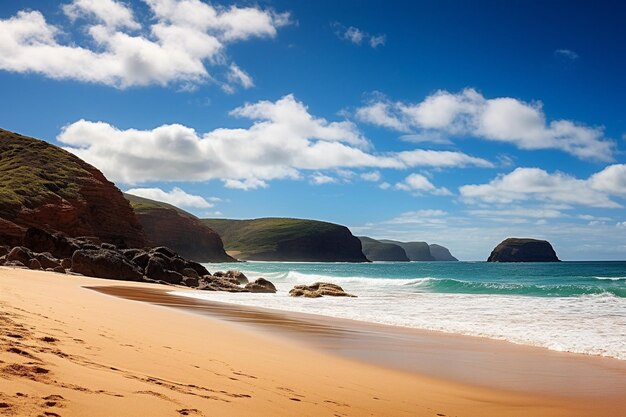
(66, 350)
(472, 360)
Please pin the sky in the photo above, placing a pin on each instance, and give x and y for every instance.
(453, 122)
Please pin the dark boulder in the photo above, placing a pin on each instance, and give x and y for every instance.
(239, 276)
(141, 259)
(57, 244)
(158, 270)
(523, 250)
(104, 263)
(261, 285)
(58, 270)
(66, 263)
(319, 289)
(191, 273)
(34, 264)
(164, 251)
(211, 283)
(46, 260)
(20, 254)
(109, 246)
(16, 264)
(4, 250)
(191, 282)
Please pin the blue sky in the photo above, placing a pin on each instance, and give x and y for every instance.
(459, 123)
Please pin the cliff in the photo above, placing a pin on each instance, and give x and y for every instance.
(441, 253)
(376, 250)
(44, 186)
(416, 251)
(284, 239)
(166, 225)
(523, 250)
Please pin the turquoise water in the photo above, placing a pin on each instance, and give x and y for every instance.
(568, 306)
(562, 279)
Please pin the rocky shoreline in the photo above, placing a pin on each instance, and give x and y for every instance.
(56, 252)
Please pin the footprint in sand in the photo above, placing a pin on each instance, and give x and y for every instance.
(53, 400)
(188, 412)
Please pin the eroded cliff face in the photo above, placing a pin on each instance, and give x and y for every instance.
(47, 187)
(184, 234)
(523, 250)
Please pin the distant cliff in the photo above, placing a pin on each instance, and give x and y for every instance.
(376, 250)
(441, 253)
(44, 186)
(523, 250)
(393, 250)
(166, 225)
(284, 239)
(416, 251)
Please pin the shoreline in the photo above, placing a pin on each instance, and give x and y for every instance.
(439, 355)
(72, 351)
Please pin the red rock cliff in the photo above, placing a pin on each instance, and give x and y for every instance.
(45, 186)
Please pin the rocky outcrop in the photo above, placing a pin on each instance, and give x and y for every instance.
(441, 253)
(157, 265)
(105, 263)
(47, 187)
(318, 290)
(376, 250)
(166, 225)
(261, 285)
(523, 250)
(283, 239)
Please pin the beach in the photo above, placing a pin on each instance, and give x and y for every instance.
(68, 349)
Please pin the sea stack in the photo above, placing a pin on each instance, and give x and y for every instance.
(523, 250)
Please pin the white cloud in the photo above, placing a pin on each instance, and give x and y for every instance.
(237, 76)
(376, 41)
(112, 13)
(422, 157)
(373, 176)
(611, 180)
(503, 119)
(430, 217)
(524, 184)
(428, 137)
(567, 54)
(178, 43)
(356, 36)
(246, 184)
(283, 140)
(318, 179)
(418, 182)
(522, 212)
(176, 197)
(384, 186)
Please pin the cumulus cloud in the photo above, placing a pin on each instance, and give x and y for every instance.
(419, 183)
(566, 54)
(175, 197)
(283, 140)
(357, 36)
(524, 184)
(318, 179)
(373, 176)
(178, 43)
(503, 119)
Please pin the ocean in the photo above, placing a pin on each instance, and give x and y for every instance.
(568, 306)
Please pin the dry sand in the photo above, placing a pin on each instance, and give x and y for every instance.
(66, 350)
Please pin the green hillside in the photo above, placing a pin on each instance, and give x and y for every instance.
(285, 239)
(376, 250)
